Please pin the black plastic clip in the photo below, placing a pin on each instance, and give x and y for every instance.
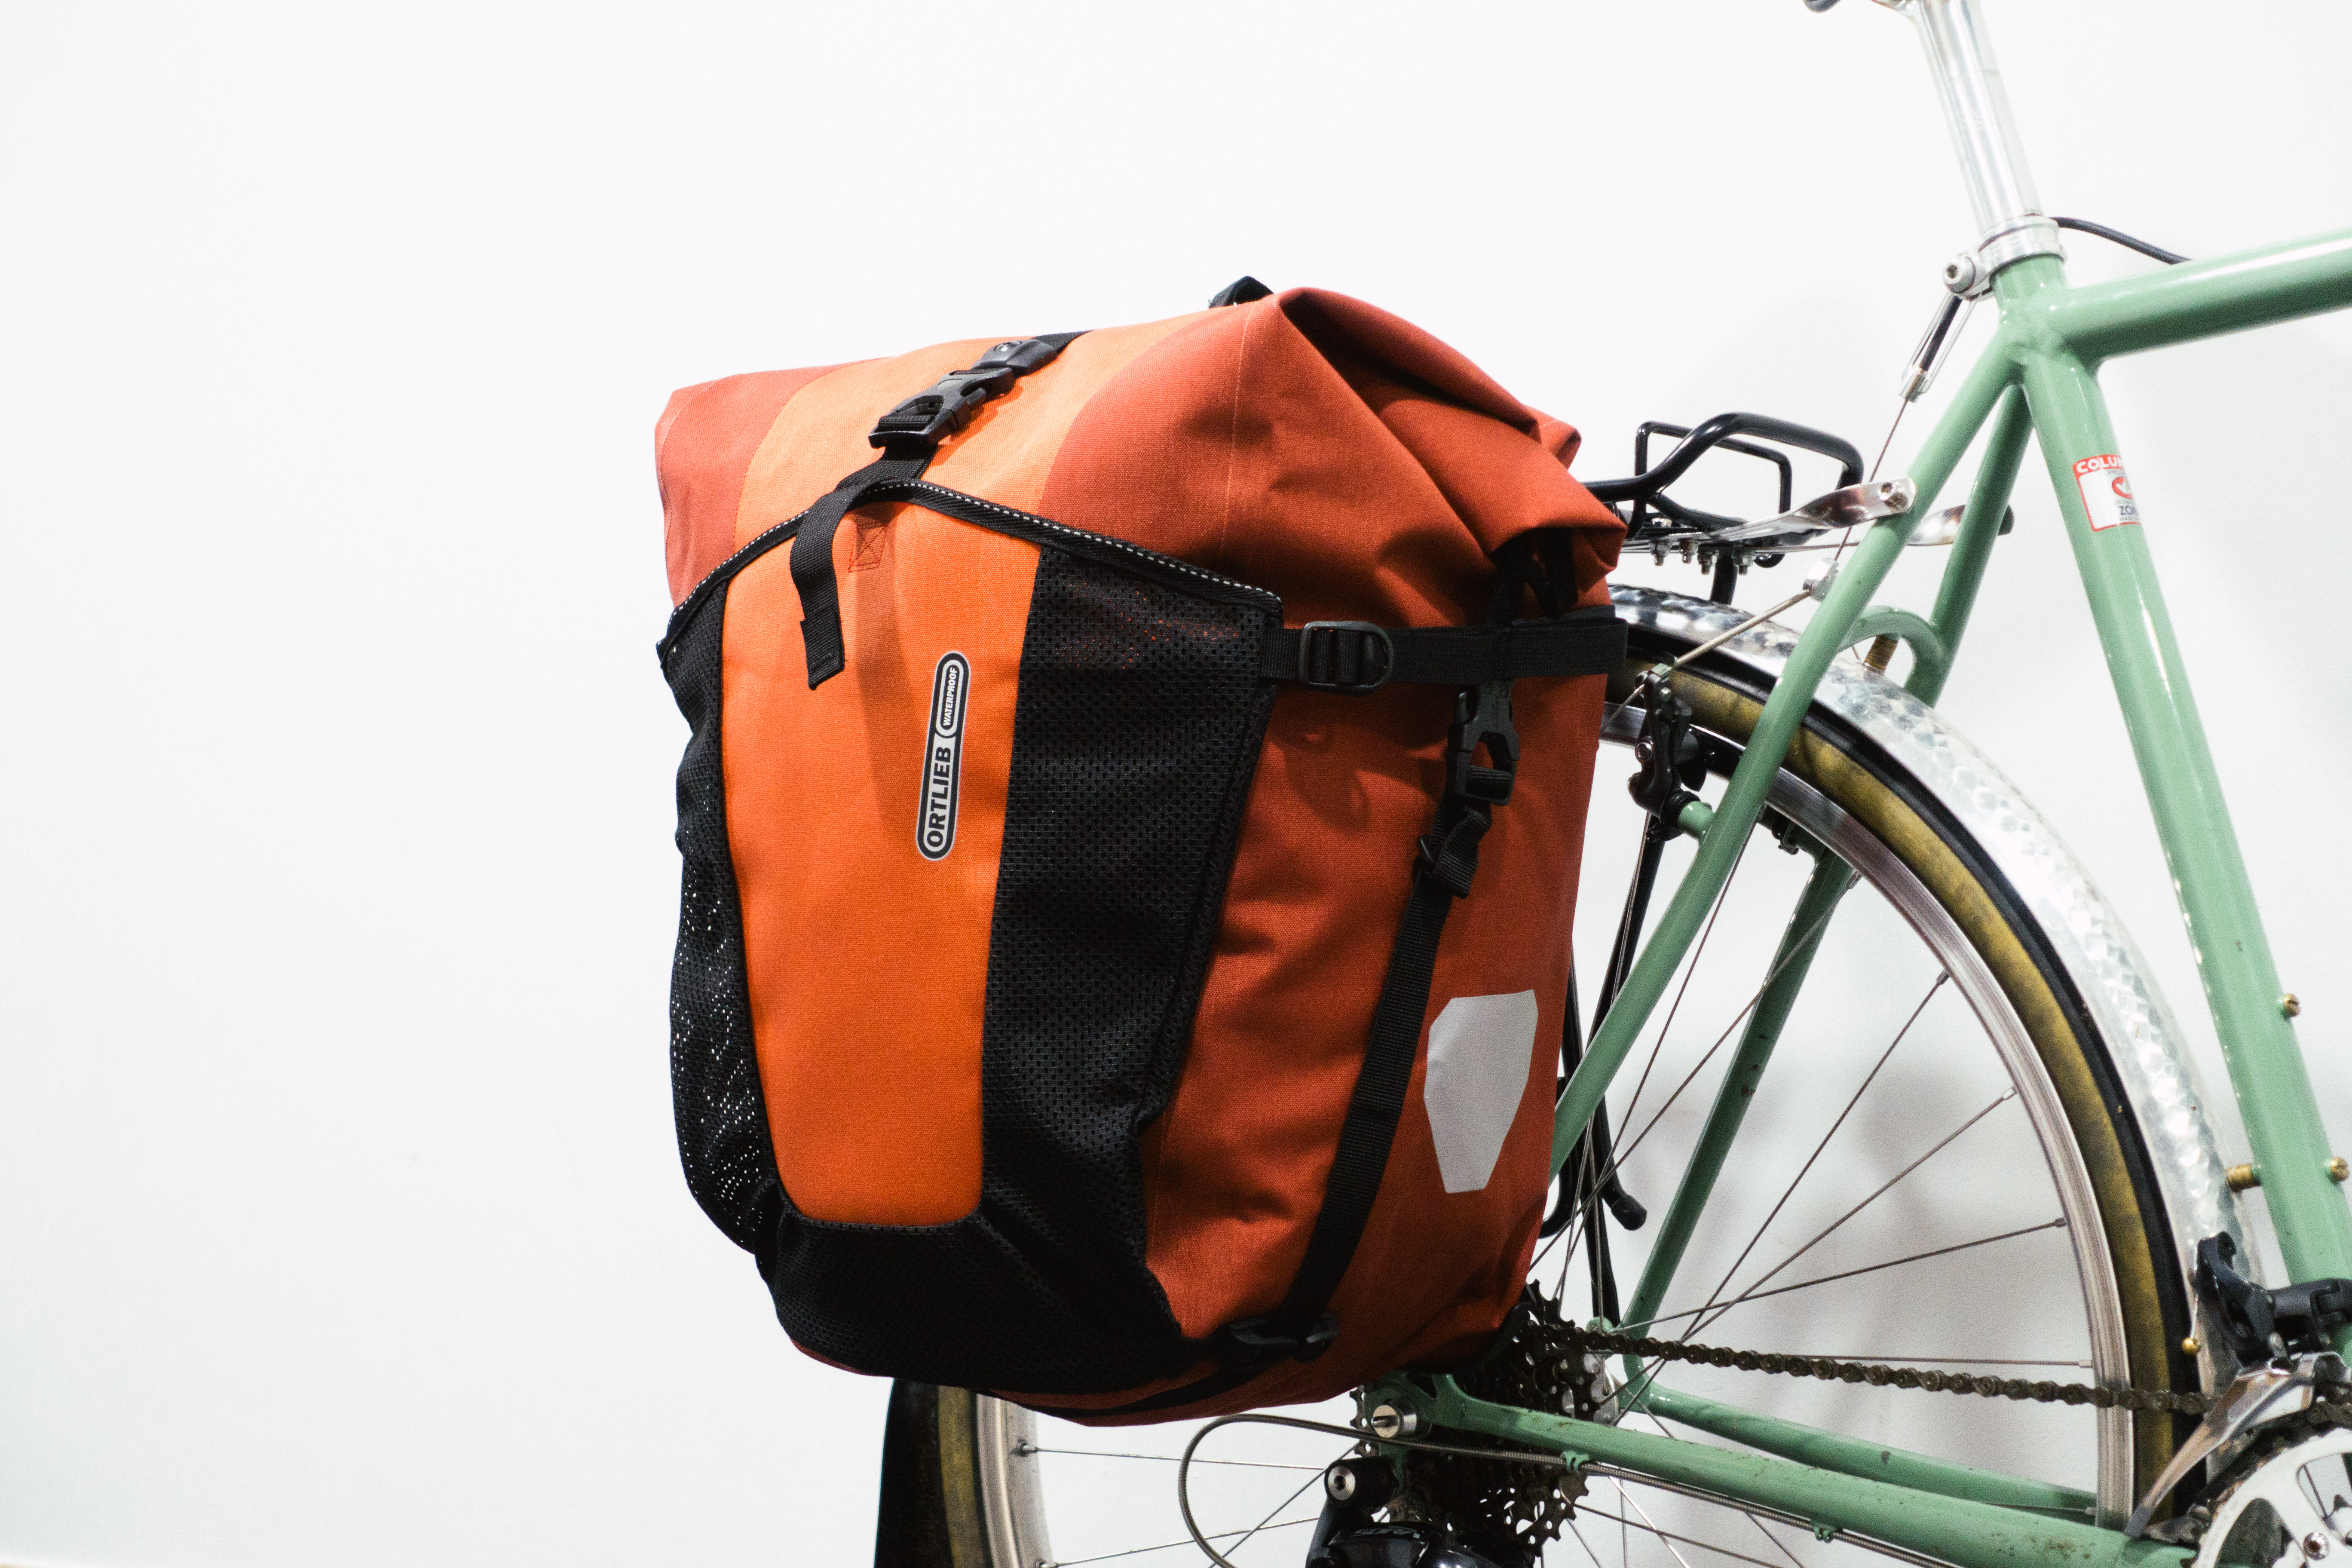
(1240, 291)
(1253, 1342)
(929, 418)
(1482, 716)
(1352, 658)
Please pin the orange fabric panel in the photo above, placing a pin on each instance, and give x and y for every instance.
(702, 444)
(1003, 453)
(913, 586)
(1509, 935)
(1282, 452)
(833, 890)
(824, 442)
(1323, 449)
(1008, 449)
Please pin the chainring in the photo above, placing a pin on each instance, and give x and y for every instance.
(2287, 1503)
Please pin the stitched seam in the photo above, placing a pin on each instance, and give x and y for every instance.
(1232, 445)
(662, 444)
(866, 543)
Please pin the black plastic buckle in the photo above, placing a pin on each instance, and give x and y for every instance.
(1352, 658)
(1252, 1342)
(1482, 716)
(931, 417)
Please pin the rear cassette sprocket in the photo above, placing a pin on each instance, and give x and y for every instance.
(1507, 1510)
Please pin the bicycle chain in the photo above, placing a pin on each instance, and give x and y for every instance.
(1568, 1340)
(1510, 1508)
(1571, 1339)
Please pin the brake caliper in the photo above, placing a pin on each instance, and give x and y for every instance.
(1672, 757)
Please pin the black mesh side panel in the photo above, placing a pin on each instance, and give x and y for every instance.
(1136, 732)
(722, 1122)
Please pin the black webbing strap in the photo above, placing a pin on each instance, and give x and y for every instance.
(1446, 861)
(813, 559)
(1358, 657)
(909, 435)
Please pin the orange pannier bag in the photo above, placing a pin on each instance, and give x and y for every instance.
(1131, 830)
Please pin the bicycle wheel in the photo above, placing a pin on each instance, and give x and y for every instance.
(1938, 1165)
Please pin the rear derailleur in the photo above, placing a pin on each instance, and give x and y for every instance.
(1350, 1536)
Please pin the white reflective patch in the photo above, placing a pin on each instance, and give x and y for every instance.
(1479, 1052)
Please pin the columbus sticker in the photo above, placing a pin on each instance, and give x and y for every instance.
(2106, 491)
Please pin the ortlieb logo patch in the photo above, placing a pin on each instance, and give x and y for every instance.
(943, 756)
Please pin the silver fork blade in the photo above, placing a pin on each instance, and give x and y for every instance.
(1839, 509)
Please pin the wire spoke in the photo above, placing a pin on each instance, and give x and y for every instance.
(1172, 1545)
(1576, 1228)
(1639, 1385)
(1777, 1543)
(1886, 1187)
(1665, 1535)
(1618, 1156)
(1689, 970)
(1651, 1525)
(2058, 1224)
(1803, 1171)
(1277, 1508)
(1171, 1458)
(1689, 1079)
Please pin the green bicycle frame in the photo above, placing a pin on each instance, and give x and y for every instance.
(2042, 361)
(2038, 376)
(2039, 370)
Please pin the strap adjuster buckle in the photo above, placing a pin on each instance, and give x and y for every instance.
(1354, 658)
(937, 413)
(1482, 715)
(1252, 1343)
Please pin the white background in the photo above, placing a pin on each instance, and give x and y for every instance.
(339, 1220)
